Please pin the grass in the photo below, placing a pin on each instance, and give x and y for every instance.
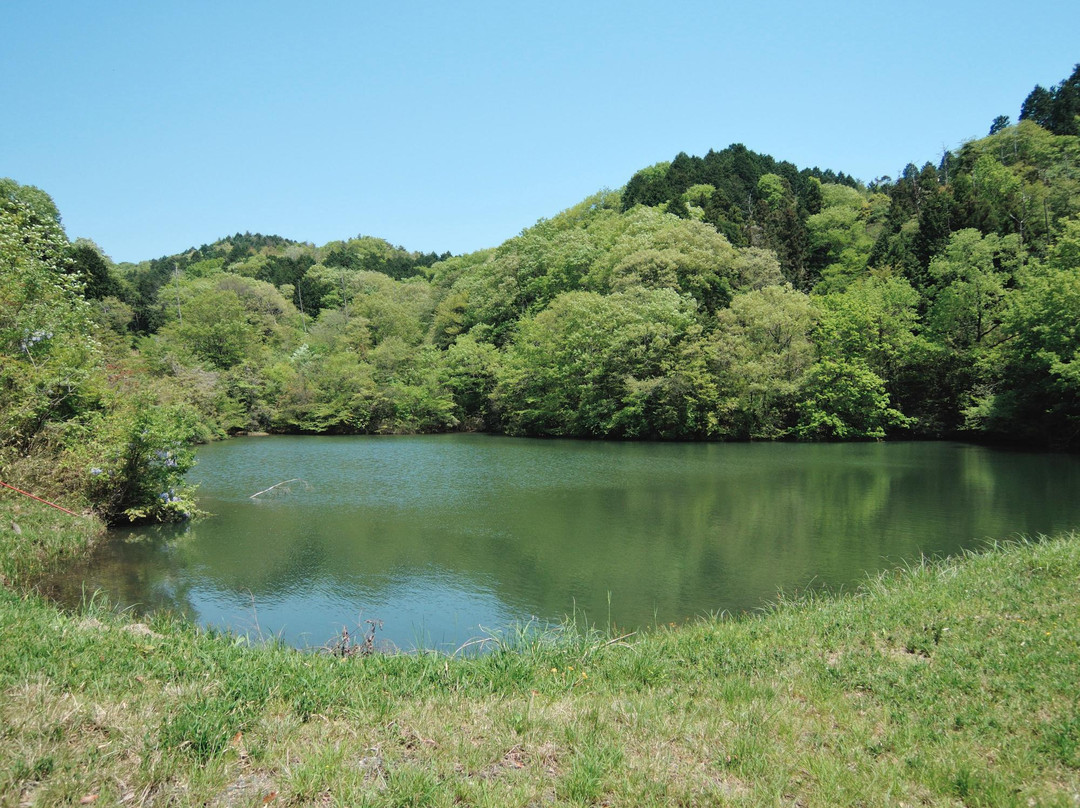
(946, 683)
(34, 536)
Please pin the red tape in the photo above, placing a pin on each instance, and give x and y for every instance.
(39, 499)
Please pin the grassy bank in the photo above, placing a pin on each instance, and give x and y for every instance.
(34, 536)
(949, 683)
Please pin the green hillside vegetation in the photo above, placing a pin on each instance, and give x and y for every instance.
(831, 310)
(729, 297)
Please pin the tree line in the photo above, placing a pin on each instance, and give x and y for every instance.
(729, 297)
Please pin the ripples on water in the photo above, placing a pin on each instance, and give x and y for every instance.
(440, 537)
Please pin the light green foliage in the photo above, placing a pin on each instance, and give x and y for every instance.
(654, 269)
(368, 254)
(839, 238)
(388, 307)
(590, 246)
(37, 206)
(172, 376)
(549, 259)
(450, 319)
(842, 400)
(1036, 362)
(755, 268)
(648, 248)
(410, 396)
(970, 280)
(868, 357)
(874, 320)
(761, 352)
(470, 369)
(772, 190)
(526, 272)
(115, 315)
(401, 309)
(1065, 254)
(67, 427)
(626, 364)
(392, 388)
(1009, 202)
(221, 332)
(226, 319)
(487, 293)
(446, 272)
(323, 392)
(46, 357)
(696, 198)
(50, 366)
(212, 266)
(1024, 180)
(217, 330)
(912, 282)
(80, 418)
(334, 332)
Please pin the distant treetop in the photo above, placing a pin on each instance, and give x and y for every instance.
(724, 185)
(1056, 109)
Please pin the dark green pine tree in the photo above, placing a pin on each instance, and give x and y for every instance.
(678, 208)
(1056, 109)
(87, 263)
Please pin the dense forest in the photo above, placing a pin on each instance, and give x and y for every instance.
(725, 297)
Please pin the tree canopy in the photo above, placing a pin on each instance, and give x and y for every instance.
(730, 296)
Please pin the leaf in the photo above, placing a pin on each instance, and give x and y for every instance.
(89, 798)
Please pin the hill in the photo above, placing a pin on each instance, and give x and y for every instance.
(732, 296)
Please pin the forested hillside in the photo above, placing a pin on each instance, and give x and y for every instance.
(731, 296)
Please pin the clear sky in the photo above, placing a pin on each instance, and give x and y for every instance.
(156, 126)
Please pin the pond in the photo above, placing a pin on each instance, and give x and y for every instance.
(445, 537)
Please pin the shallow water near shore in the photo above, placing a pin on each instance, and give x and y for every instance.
(442, 538)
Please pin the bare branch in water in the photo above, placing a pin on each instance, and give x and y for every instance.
(275, 485)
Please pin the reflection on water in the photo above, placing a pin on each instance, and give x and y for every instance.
(440, 536)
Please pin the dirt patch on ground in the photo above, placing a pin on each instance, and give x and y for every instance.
(141, 630)
(250, 788)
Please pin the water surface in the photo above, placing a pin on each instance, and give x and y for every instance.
(442, 537)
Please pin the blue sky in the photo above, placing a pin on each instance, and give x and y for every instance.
(454, 125)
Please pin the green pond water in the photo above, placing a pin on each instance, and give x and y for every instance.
(444, 537)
